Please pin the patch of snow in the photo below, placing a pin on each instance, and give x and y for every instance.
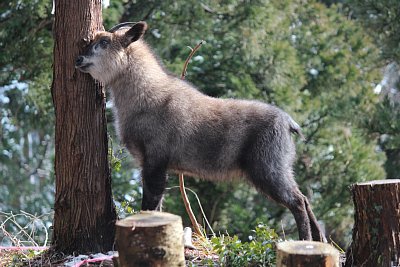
(313, 72)
(378, 89)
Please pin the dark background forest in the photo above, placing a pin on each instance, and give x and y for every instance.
(332, 65)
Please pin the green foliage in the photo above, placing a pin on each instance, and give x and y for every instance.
(26, 145)
(25, 40)
(382, 20)
(385, 121)
(125, 182)
(259, 251)
(25, 154)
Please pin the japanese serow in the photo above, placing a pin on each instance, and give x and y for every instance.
(168, 125)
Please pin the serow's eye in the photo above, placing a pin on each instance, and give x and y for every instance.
(103, 43)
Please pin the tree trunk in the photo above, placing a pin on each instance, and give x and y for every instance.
(84, 211)
(150, 238)
(306, 254)
(376, 232)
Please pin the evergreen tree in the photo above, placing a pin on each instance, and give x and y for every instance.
(84, 212)
(382, 21)
(26, 145)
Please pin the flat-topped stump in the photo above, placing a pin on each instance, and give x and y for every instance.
(150, 238)
(306, 254)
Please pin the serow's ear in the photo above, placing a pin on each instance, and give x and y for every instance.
(134, 33)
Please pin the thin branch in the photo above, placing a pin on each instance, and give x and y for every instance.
(193, 51)
(185, 198)
(189, 210)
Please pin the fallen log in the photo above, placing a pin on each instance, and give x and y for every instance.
(150, 238)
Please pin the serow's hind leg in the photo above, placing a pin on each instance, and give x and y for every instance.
(316, 231)
(282, 188)
(307, 224)
(295, 202)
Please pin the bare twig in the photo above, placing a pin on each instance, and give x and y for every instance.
(193, 51)
(22, 234)
(200, 206)
(202, 211)
(189, 210)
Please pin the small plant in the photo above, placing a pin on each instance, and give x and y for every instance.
(259, 251)
(115, 157)
(126, 207)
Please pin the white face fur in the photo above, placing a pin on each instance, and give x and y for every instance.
(103, 58)
(106, 55)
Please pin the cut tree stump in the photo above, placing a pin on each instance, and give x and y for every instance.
(376, 232)
(306, 254)
(150, 239)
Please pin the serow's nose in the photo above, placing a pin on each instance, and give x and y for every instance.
(79, 60)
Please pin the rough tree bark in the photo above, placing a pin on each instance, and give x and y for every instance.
(84, 211)
(376, 232)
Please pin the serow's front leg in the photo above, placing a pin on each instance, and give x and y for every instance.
(154, 183)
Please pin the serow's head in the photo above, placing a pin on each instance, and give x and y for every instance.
(106, 55)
